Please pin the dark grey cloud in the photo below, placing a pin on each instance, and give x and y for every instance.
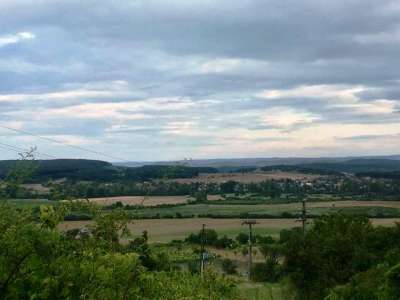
(87, 68)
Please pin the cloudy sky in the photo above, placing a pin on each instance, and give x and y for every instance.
(160, 80)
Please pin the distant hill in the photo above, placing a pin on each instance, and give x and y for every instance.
(75, 169)
(356, 166)
(254, 162)
(94, 170)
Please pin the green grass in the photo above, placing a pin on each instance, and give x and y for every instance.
(203, 209)
(229, 210)
(30, 203)
(256, 231)
(264, 291)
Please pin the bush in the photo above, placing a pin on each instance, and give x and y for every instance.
(225, 242)
(264, 239)
(269, 271)
(210, 237)
(229, 266)
(242, 238)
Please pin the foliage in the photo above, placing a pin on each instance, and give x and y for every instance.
(343, 256)
(39, 262)
(100, 171)
(210, 237)
(259, 272)
(224, 242)
(229, 266)
(149, 172)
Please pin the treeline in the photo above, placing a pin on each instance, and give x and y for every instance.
(97, 171)
(72, 169)
(274, 189)
(319, 170)
(164, 188)
(149, 172)
(355, 166)
(386, 175)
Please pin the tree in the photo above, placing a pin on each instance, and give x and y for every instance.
(329, 254)
(37, 261)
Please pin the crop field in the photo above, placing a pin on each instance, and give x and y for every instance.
(37, 187)
(251, 177)
(165, 230)
(30, 203)
(385, 208)
(147, 200)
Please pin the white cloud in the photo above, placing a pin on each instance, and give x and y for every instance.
(112, 89)
(376, 107)
(182, 128)
(284, 117)
(15, 38)
(218, 66)
(315, 91)
(125, 110)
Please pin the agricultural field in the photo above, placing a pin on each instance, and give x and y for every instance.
(147, 200)
(166, 230)
(250, 177)
(30, 203)
(371, 208)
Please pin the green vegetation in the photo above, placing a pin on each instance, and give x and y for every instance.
(254, 211)
(99, 171)
(340, 256)
(385, 175)
(344, 257)
(355, 166)
(37, 261)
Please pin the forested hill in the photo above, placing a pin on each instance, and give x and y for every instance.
(62, 168)
(357, 166)
(95, 170)
(354, 166)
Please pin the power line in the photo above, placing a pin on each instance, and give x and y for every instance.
(63, 143)
(9, 149)
(19, 149)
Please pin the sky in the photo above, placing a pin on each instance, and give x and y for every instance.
(166, 80)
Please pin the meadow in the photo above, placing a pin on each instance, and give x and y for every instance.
(166, 230)
(249, 177)
(221, 210)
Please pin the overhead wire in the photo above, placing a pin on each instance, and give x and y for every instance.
(21, 150)
(63, 143)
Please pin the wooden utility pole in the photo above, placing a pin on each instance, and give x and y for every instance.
(303, 218)
(202, 258)
(250, 223)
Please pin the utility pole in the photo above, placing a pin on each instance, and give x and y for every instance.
(303, 217)
(250, 223)
(202, 258)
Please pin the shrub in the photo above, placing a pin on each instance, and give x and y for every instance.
(224, 242)
(269, 271)
(229, 266)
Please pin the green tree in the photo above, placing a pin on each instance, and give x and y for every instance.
(331, 252)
